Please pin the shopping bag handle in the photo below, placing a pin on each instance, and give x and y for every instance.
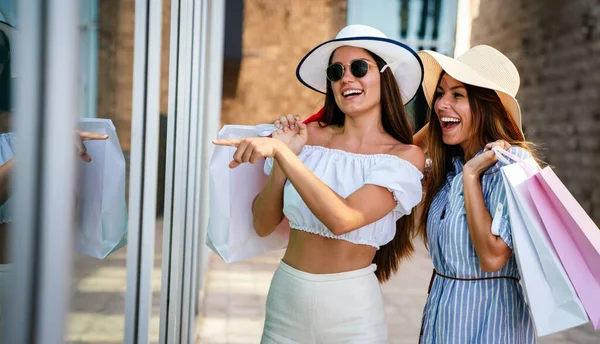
(315, 117)
(504, 157)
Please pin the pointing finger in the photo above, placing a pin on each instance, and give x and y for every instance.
(84, 135)
(230, 143)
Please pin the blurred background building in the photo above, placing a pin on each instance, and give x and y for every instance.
(555, 45)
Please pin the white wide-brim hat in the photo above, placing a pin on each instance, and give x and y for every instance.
(401, 59)
(481, 66)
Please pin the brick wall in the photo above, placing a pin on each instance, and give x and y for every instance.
(276, 35)
(115, 63)
(556, 47)
(164, 57)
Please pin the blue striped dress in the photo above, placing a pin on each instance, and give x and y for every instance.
(485, 311)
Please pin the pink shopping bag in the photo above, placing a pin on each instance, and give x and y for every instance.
(552, 300)
(574, 235)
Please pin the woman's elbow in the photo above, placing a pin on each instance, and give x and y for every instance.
(338, 230)
(493, 263)
(263, 229)
(342, 226)
(262, 232)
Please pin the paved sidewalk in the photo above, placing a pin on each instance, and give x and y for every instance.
(97, 309)
(235, 295)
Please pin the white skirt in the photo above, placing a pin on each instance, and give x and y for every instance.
(344, 307)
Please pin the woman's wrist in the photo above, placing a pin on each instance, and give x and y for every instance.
(280, 149)
(470, 176)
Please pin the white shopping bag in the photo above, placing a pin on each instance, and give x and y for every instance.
(230, 231)
(552, 300)
(101, 206)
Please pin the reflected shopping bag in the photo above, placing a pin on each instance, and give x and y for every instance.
(101, 206)
(231, 233)
(575, 236)
(551, 298)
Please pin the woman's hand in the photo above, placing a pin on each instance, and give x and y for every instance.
(292, 132)
(251, 149)
(80, 147)
(479, 164)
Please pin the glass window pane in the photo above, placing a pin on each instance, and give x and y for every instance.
(97, 313)
(7, 143)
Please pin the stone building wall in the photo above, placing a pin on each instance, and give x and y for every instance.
(555, 44)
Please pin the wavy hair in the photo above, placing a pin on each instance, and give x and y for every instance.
(491, 122)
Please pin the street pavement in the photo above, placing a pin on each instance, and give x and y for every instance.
(233, 308)
(233, 304)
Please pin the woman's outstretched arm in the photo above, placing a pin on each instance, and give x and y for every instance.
(340, 215)
(267, 207)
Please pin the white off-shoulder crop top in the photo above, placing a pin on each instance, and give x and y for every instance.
(345, 173)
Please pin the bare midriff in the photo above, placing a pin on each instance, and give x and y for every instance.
(317, 254)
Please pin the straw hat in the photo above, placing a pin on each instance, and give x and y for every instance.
(481, 66)
(401, 59)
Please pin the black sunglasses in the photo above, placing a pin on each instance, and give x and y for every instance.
(358, 68)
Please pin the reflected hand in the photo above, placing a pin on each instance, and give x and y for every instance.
(251, 149)
(80, 147)
(292, 132)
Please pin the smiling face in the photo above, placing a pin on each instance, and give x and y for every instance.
(356, 95)
(453, 111)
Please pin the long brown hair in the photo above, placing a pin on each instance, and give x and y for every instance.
(491, 122)
(395, 123)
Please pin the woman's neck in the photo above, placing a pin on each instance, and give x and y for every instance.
(470, 149)
(363, 127)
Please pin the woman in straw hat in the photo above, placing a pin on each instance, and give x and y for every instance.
(326, 288)
(475, 295)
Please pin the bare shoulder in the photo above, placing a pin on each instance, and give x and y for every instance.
(412, 154)
(314, 128)
(318, 135)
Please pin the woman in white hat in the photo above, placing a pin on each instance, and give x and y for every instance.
(475, 295)
(343, 183)
(8, 36)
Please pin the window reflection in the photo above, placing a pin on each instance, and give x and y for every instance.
(7, 143)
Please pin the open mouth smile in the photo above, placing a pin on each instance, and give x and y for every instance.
(449, 123)
(351, 94)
